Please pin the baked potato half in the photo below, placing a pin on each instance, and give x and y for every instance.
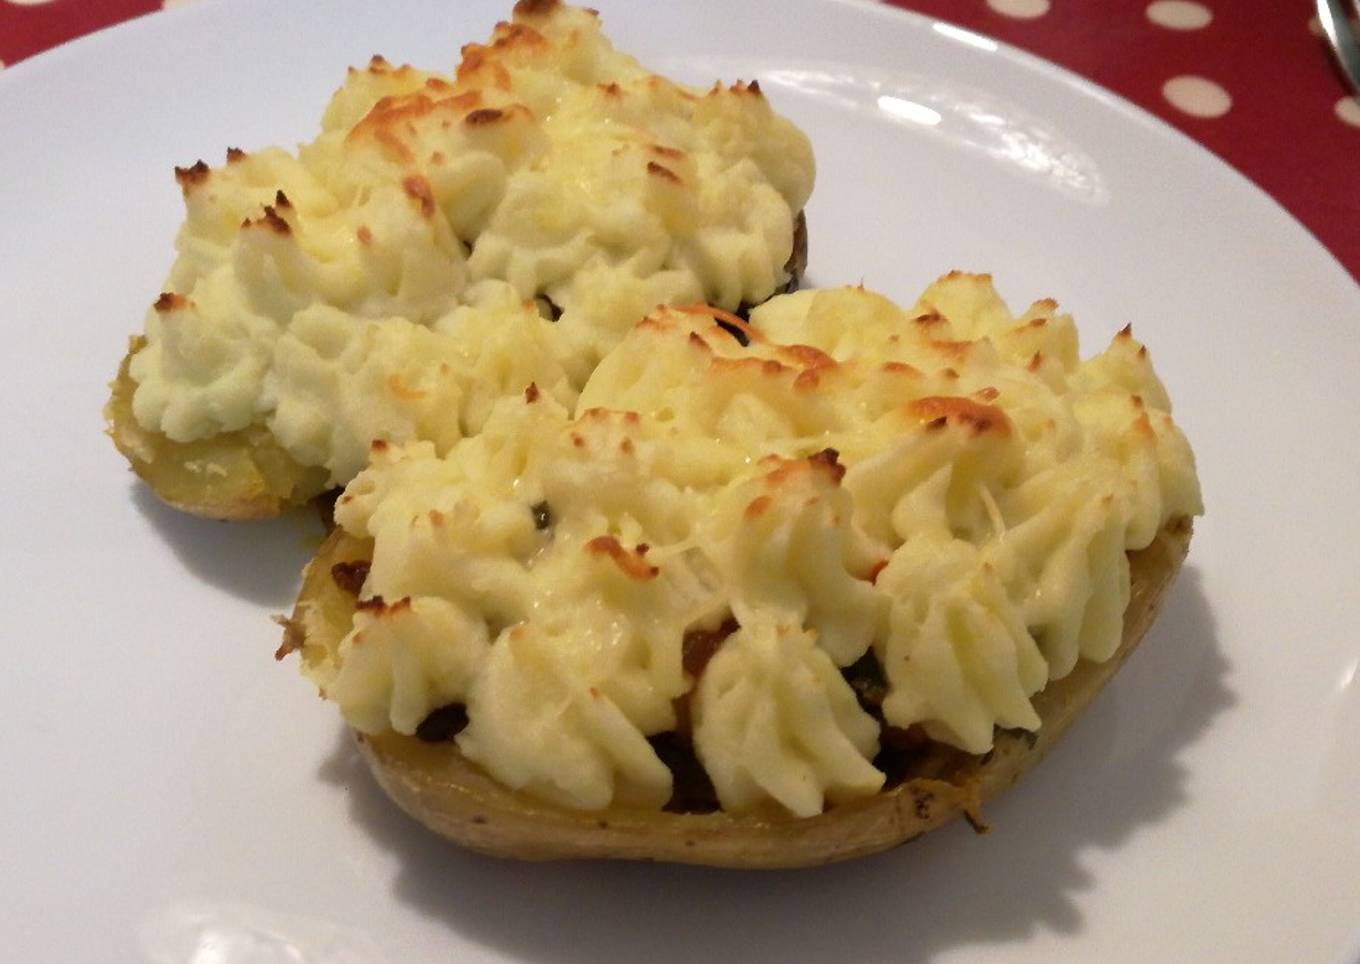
(446, 238)
(927, 787)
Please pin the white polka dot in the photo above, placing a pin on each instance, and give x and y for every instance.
(28, 3)
(1348, 109)
(1179, 14)
(1197, 96)
(1020, 9)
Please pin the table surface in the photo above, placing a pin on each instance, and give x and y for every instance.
(1251, 80)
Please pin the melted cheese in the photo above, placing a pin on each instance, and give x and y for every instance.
(969, 529)
(310, 290)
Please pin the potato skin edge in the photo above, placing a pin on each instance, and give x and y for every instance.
(244, 493)
(434, 784)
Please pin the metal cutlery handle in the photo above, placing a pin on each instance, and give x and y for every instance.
(1336, 24)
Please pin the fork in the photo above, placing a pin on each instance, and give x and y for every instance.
(1336, 24)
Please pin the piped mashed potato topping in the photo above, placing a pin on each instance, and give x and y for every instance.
(337, 296)
(948, 488)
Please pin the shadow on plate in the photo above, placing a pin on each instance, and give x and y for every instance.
(260, 562)
(1116, 772)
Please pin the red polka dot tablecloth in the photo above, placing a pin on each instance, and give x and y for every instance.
(1249, 79)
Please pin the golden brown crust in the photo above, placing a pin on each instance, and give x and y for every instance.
(234, 475)
(433, 783)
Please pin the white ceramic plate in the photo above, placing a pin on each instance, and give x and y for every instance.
(174, 795)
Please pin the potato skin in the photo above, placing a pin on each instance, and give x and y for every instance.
(434, 784)
(233, 475)
(253, 477)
